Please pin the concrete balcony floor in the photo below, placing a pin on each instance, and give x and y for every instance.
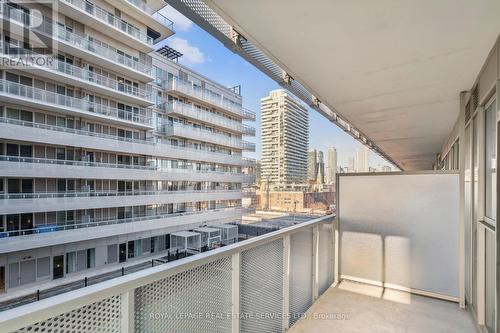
(364, 308)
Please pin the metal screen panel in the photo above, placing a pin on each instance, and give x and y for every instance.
(326, 254)
(195, 301)
(301, 267)
(261, 288)
(99, 317)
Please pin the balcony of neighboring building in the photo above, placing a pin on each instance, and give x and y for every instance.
(33, 167)
(107, 23)
(84, 46)
(64, 72)
(159, 27)
(19, 203)
(87, 228)
(190, 132)
(29, 96)
(192, 112)
(44, 133)
(190, 90)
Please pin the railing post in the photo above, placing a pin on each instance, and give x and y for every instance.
(235, 293)
(315, 263)
(127, 312)
(286, 283)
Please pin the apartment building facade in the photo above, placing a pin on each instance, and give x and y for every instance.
(110, 146)
(285, 139)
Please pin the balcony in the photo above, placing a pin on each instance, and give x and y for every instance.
(18, 166)
(191, 112)
(42, 99)
(87, 222)
(66, 73)
(374, 268)
(17, 203)
(190, 90)
(147, 14)
(198, 134)
(80, 46)
(58, 135)
(100, 19)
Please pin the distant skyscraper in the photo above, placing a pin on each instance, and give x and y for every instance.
(331, 169)
(350, 166)
(312, 165)
(285, 138)
(361, 161)
(320, 169)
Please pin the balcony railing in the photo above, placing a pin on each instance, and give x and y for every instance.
(94, 193)
(83, 74)
(248, 130)
(263, 284)
(93, 222)
(191, 132)
(190, 111)
(108, 18)
(153, 13)
(250, 162)
(80, 105)
(53, 30)
(152, 167)
(190, 89)
(115, 137)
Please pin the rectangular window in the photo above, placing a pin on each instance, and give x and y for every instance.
(70, 262)
(130, 251)
(90, 258)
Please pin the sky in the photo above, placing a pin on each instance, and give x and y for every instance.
(206, 55)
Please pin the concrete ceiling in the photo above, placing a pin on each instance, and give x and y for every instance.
(393, 68)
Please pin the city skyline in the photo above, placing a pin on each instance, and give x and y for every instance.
(209, 57)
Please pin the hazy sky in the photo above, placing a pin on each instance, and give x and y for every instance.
(208, 56)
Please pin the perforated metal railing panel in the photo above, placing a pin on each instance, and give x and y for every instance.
(194, 301)
(301, 266)
(326, 254)
(100, 317)
(199, 299)
(261, 288)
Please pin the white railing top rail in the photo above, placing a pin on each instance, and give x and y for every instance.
(17, 318)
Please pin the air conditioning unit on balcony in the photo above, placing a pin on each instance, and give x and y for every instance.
(86, 188)
(85, 218)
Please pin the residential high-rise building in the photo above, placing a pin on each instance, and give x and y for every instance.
(312, 165)
(361, 160)
(285, 133)
(331, 169)
(111, 146)
(320, 169)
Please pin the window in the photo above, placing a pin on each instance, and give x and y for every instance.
(490, 163)
(131, 251)
(70, 262)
